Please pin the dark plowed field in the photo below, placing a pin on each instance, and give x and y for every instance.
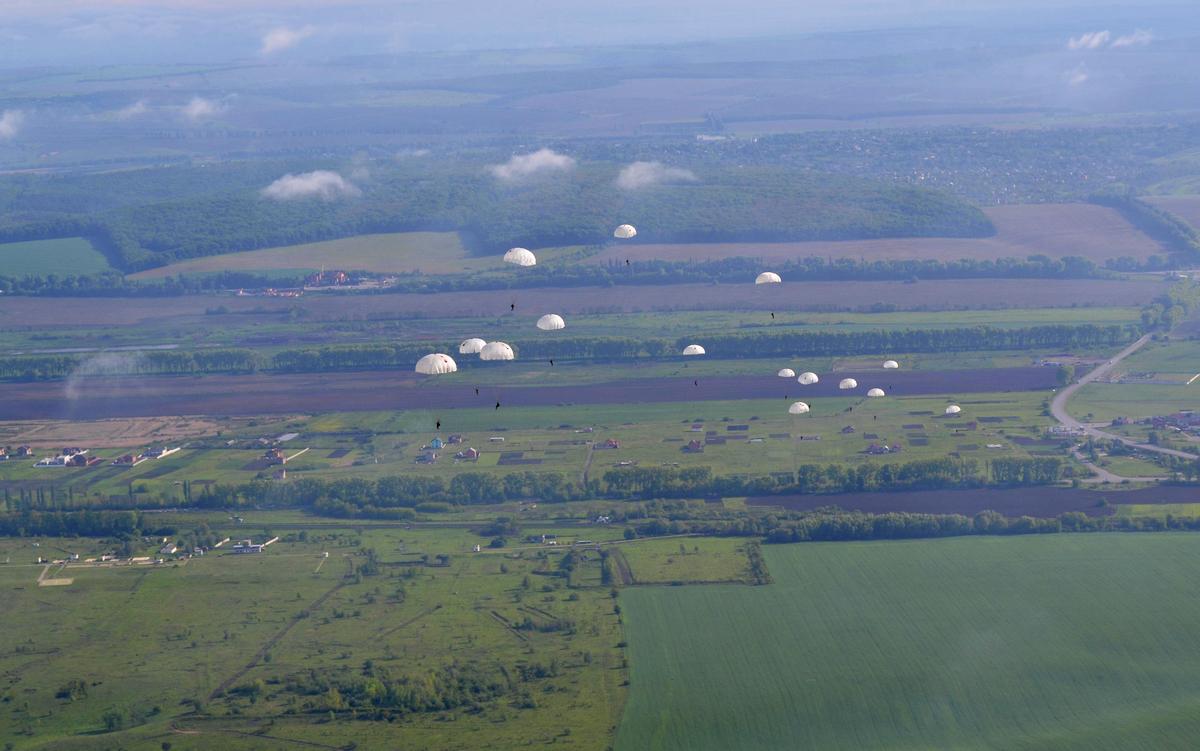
(1041, 501)
(95, 398)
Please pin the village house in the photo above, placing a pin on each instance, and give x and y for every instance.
(611, 443)
(694, 447)
(454, 439)
(275, 456)
(469, 454)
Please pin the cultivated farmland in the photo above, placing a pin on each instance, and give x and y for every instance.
(428, 252)
(1065, 642)
(62, 256)
(1071, 229)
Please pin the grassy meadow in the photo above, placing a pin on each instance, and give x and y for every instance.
(62, 256)
(1078, 642)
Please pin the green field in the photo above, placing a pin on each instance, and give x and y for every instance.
(1105, 401)
(1079, 642)
(62, 256)
(151, 643)
(696, 559)
(394, 253)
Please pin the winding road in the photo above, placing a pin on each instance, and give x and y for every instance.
(1058, 408)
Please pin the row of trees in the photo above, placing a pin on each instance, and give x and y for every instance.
(1168, 229)
(762, 343)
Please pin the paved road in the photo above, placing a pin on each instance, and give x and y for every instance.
(1058, 408)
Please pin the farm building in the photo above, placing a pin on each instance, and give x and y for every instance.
(611, 443)
(437, 444)
(694, 447)
(454, 439)
(275, 456)
(470, 454)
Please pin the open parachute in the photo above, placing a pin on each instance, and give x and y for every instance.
(436, 364)
(848, 383)
(953, 409)
(875, 393)
(520, 257)
(551, 322)
(624, 232)
(496, 351)
(786, 373)
(798, 408)
(768, 277)
(693, 349)
(807, 378)
(471, 346)
(890, 364)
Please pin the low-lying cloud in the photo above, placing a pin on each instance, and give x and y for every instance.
(283, 38)
(200, 108)
(1091, 40)
(1094, 40)
(1077, 76)
(1139, 38)
(647, 174)
(322, 184)
(524, 166)
(10, 123)
(133, 111)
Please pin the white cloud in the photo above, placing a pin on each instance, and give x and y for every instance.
(201, 109)
(135, 110)
(1139, 38)
(1089, 41)
(10, 123)
(321, 184)
(647, 174)
(1077, 76)
(283, 38)
(522, 166)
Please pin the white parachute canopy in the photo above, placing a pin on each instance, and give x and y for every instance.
(520, 256)
(786, 373)
(471, 346)
(848, 383)
(768, 277)
(798, 408)
(551, 322)
(876, 392)
(624, 232)
(693, 349)
(436, 364)
(953, 409)
(807, 378)
(496, 351)
(890, 364)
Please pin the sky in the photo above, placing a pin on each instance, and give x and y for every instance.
(40, 32)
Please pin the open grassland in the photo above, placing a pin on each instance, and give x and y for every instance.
(62, 256)
(1074, 229)
(1070, 642)
(1173, 360)
(205, 654)
(698, 559)
(271, 330)
(738, 437)
(1105, 401)
(428, 252)
(789, 296)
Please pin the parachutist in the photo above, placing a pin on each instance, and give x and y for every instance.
(772, 316)
(512, 306)
(695, 383)
(438, 425)
(552, 363)
(476, 391)
(497, 405)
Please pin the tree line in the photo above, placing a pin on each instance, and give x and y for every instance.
(751, 344)
(1168, 229)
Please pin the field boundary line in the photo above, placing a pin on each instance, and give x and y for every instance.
(266, 647)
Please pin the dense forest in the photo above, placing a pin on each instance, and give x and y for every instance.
(749, 344)
(155, 218)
